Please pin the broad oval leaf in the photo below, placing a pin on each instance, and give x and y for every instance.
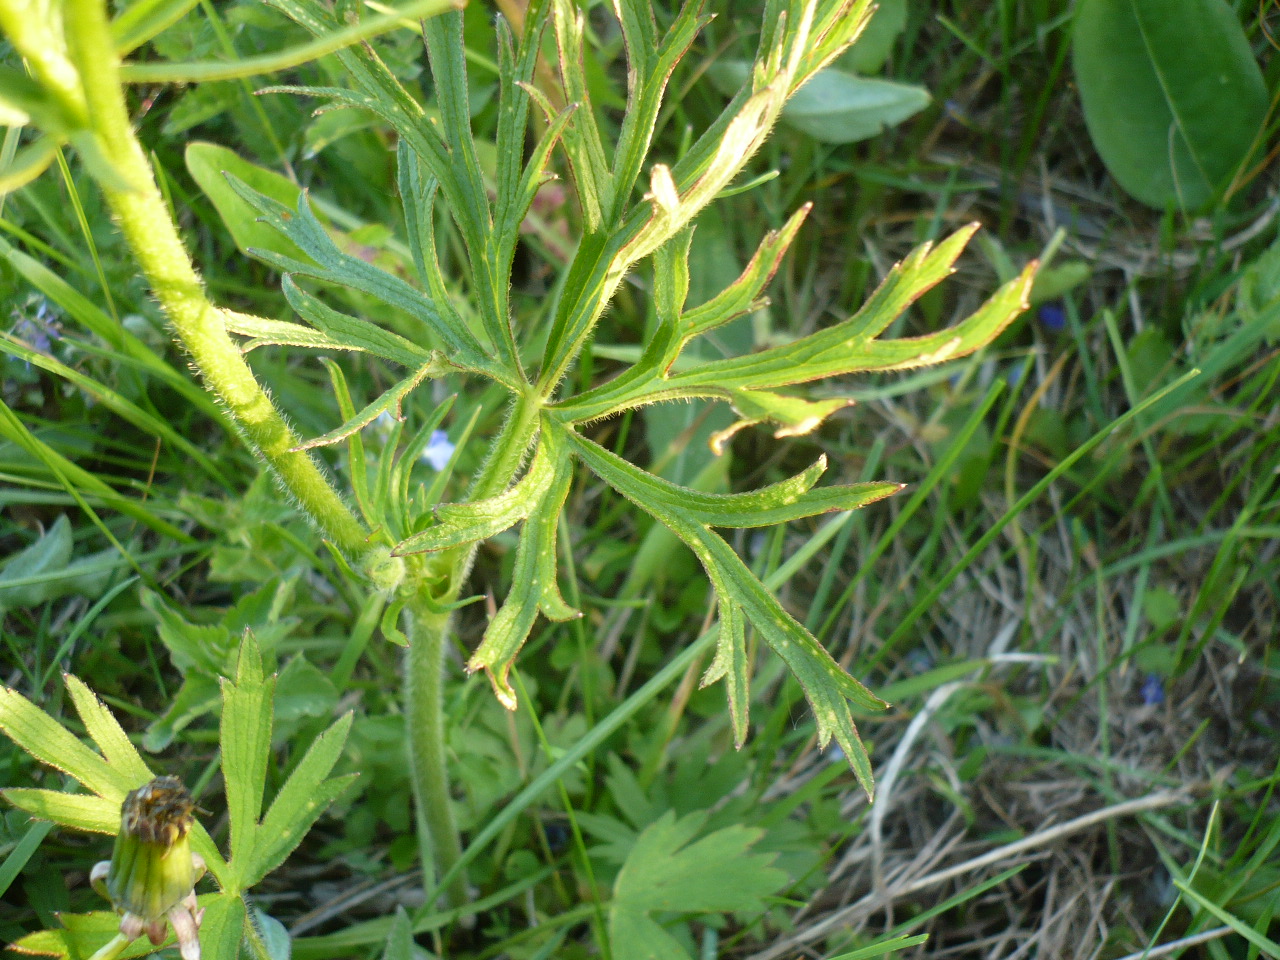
(871, 50)
(1172, 95)
(207, 164)
(835, 106)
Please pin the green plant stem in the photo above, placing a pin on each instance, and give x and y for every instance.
(112, 948)
(439, 844)
(153, 237)
(428, 632)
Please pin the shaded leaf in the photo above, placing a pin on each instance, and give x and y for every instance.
(334, 266)
(197, 696)
(144, 19)
(204, 648)
(352, 332)
(30, 161)
(668, 871)
(399, 945)
(50, 554)
(581, 139)
(874, 44)
(390, 402)
(303, 690)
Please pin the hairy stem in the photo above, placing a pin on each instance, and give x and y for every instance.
(424, 673)
(438, 841)
(153, 238)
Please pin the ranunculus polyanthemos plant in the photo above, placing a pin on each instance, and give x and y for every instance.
(632, 211)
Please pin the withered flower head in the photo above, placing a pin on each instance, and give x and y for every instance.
(152, 872)
(157, 812)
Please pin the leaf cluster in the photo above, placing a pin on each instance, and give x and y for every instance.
(479, 337)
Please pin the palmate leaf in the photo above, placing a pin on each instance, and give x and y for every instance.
(51, 743)
(445, 149)
(677, 195)
(247, 715)
(246, 743)
(303, 798)
(257, 848)
(119, 768)
(667, 871)
(690, 515)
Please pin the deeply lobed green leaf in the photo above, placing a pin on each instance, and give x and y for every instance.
(534, 583)
(668, 871)
(689, 514)
(459, 523)
(303, 798)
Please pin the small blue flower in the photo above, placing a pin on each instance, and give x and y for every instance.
(439, 451)
(919, 660)
(37, 326)
(957, 113)
(1052, 317)
(557, 836)
(1152, 691)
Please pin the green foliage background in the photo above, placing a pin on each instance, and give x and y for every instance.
(1073, 600)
